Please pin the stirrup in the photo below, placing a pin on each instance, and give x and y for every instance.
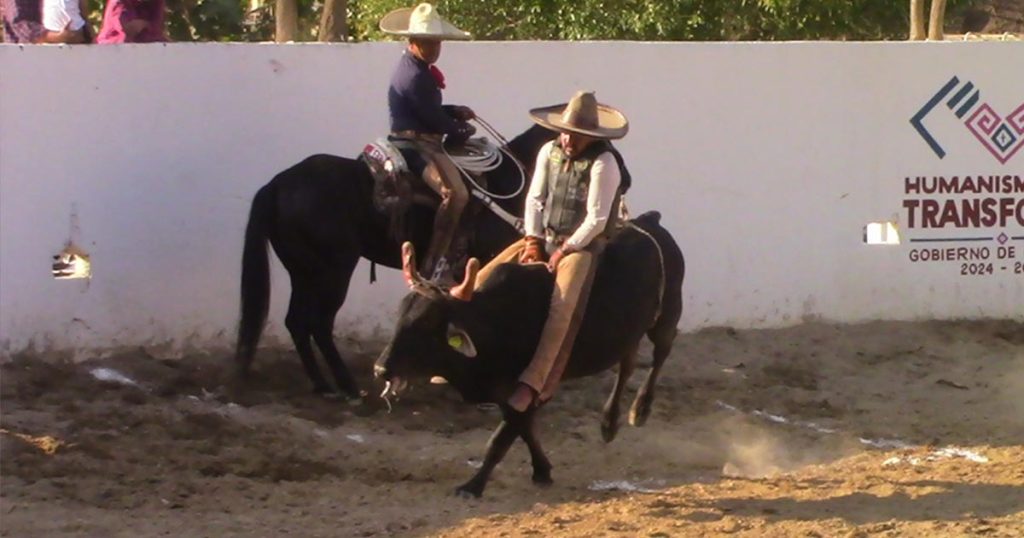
(442, 273)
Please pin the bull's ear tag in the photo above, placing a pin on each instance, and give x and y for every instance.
(460, 341)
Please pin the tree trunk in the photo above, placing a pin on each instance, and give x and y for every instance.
(938, 17)
(286, 15)
(917, 20)
(334, 21)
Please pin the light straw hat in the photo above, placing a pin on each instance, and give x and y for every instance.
(421, 21)
(583, 115)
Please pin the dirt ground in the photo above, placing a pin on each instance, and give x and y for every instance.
(820, 430)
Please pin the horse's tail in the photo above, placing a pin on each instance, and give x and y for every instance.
(255, 300)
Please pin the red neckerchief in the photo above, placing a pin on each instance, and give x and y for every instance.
(438, 76)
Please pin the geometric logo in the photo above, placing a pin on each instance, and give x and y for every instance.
(1001, 136)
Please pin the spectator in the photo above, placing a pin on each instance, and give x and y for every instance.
(23, 23)
(133, 21)
(61, 14)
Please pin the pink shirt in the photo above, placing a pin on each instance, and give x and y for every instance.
(120, 12)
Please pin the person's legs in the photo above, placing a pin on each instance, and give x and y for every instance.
(568, 302)
(583, 282)
(509, 255)
(444, 178)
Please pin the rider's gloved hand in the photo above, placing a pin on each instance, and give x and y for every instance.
(556, 257)
(534, 250)
(459, 137)
(465, 113)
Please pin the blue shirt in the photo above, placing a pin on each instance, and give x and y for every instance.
(414, 100)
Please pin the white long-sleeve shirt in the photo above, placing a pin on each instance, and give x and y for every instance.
(604, 183)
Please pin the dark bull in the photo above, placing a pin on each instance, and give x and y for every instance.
(480, 341)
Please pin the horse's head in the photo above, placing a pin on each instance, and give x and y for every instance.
(526, 146)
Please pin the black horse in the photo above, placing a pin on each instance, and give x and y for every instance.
(320, 217)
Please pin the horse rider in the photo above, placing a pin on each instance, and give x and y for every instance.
(414, 101)
(572, 208)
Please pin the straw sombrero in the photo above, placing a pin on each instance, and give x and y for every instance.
(584, 115)
(421, 21)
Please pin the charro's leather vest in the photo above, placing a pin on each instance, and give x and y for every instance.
(568, 187)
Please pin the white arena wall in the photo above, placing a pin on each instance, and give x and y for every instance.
(766, 159)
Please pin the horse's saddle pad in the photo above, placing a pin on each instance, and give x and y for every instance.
(393, 164)
(397, 168)
(394, 156)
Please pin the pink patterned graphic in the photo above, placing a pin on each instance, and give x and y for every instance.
(1002, 138)
(1016, 119)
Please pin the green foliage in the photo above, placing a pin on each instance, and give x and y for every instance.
(205, 20)
(640, 20)
(664, 20)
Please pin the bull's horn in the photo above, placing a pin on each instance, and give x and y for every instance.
(412, 275)
(464, 291)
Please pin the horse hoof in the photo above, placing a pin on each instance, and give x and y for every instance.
(639, 414)
(468, 492)
(608, 431)
(542, 479)
(354, 400)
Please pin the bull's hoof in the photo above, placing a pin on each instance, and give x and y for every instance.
(354, 400)
(542, 478)
(609, 428)
(469, 491)
(639, 414)
(242, 372)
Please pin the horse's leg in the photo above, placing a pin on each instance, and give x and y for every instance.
(662, 336)
(610, 420)
(331, 291)
(497, 447)
(541, 465)
(299, 322)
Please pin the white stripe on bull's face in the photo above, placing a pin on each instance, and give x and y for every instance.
(459, 340)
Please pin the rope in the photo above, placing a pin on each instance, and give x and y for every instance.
(661, 260)
(483, 156)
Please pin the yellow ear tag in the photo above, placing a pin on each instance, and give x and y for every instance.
(455, 341)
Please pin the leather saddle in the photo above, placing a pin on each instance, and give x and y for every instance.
(397, 165)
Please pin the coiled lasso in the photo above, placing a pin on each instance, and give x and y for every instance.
(484, 156)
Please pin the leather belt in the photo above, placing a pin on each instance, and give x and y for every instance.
(417, 135)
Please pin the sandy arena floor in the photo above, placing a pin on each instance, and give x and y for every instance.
(883, 429)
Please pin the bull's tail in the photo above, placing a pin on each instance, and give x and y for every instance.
(255, 296)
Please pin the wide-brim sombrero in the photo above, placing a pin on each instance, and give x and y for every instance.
(422, 21)
(583, 115)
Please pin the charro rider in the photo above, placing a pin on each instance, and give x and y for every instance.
(414, 101)
(571, 208)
